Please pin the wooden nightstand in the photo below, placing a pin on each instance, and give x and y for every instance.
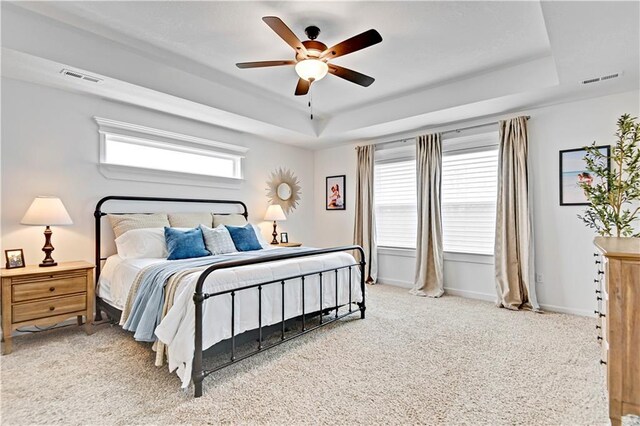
(43, 296)
(290, 244)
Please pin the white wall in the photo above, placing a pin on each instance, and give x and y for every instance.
(563, 244)
(50, 146)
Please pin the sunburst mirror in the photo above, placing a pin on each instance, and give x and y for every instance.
(284, 188)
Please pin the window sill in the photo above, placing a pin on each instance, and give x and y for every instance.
(483, 259)
(112, 171)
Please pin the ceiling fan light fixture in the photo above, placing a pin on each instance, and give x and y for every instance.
(312, 69)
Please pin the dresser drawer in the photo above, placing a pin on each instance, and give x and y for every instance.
(50, 287)
(49, 307)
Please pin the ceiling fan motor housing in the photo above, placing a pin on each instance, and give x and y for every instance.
(312, 32)
(314, 48)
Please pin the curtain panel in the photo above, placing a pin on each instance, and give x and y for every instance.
(514, 249)
(364, 233)
(429, 276)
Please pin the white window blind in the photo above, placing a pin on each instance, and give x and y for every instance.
(395, 203)
(469, 185)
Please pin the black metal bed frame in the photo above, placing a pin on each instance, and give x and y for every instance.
(199, 297)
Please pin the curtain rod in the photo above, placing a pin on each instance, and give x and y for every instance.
(458, 130)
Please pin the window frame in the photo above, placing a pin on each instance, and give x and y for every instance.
(116, 131)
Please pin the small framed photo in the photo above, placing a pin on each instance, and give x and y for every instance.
(335, 193)
(15, 258)
(284, 237)
(573, 170)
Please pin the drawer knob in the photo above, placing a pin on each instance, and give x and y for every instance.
(598, 291)
(598, 298)
(51, 308)
(599, 338)
(598, 327)
(50, 276)
(600, 272)
(596, 281)
(603, 362)
(52, 289)
(598, 262)
(596, 254)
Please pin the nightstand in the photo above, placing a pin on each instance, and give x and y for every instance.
(42, 296)
(290, 244)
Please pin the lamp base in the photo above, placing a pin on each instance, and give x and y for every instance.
(47, 249)
(275, 234)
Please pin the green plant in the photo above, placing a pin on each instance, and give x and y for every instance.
(615, 195)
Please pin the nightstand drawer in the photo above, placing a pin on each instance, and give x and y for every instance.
(49, 307)
(58, 286)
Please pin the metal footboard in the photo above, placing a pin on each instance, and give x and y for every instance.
(199, 297)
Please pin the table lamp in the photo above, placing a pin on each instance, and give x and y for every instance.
(47, 211)
(274, 212)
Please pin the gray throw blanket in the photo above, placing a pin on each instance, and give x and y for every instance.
(146, 309)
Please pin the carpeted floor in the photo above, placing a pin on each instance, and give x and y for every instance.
(413, 360)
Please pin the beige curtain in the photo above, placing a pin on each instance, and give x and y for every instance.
(429, 256)
(364, 233)
(514, 267)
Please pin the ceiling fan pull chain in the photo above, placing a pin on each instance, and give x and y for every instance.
(310, 99)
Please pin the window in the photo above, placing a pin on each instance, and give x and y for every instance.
(469, 190)
(395, 199)
(133, 152)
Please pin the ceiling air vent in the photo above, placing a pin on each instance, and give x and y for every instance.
(80, 76)
(603, 78)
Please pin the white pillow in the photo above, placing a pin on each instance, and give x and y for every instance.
(142, 243)
(218, 240)
(261, 239)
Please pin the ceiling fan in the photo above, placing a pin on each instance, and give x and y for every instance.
(312, 57)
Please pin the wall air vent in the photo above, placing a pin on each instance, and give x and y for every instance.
(603, 78)
(80, 76)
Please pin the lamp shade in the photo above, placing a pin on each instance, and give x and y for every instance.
(46, 211)
(274, 212)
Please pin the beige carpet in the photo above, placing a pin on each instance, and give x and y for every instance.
(413, 360)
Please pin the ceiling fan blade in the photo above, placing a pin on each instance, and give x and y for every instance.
(285, 33)
(303, 87)
(355, 43)
(262, 64)
(350, 75)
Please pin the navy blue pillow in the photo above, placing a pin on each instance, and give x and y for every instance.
(244, 237)
(185, 244)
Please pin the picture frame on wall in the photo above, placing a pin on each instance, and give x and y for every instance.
(573, 170)
(14, 258)
(335, 193)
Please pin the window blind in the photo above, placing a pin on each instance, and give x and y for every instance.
(395, 203)
(469, 190)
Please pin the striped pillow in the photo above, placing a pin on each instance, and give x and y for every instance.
(122, 223)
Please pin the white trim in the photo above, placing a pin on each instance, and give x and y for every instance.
(468, 294)
(565, 310)
(106, 124)
(394, 282)
(139, 174)
(397, 251)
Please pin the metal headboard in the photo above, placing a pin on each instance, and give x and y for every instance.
(98, 214)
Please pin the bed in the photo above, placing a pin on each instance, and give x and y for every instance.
(187, 306)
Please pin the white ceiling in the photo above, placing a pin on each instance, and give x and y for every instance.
(435, 56)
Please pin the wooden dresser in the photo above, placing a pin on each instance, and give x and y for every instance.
(619, 317)
(40, 296)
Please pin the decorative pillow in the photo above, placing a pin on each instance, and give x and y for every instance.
(229, 219)
(244, 237)
(218, 240)
(189, 220)
(184, 244)
(122, 223)
(259, 236)
(142, 243)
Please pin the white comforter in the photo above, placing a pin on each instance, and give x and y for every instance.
(177, 329)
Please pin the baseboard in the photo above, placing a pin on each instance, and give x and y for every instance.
(470, 294)
(397, 283)
(565, 310)
(487, 297)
